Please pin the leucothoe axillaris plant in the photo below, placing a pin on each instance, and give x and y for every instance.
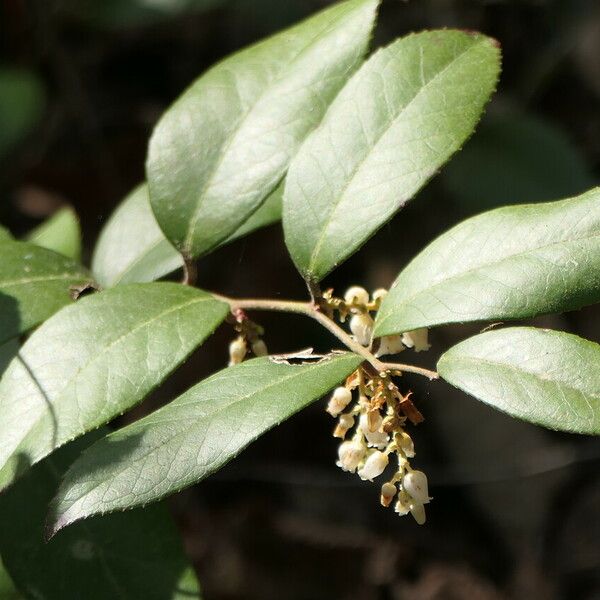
(302, 127)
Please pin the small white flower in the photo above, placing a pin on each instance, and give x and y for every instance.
(237, 351)
(390, 344)
(345, 423)
(403, 504)
(370, 427)
(416, 339)
(379, 294)
(388, 491)
(405, 444)
(340, 398)
(415, 484)
(417, 510)
(259, 348)
(350, 455)
(356, 295)
(374, 465)
(361, 326)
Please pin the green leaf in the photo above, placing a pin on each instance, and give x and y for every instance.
(268, 213)
(94, 360)
(223, 147)
(7, 587)
(190, 438)
(5, 234)
(509, 263)
(21, 106)
(34, 284)
(516, 158)
(545, 377)
(398, 120)
(132, 248)
(133, 555)
(60, 233)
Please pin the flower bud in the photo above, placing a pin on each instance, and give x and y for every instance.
(361, 326)
(405, 444)
(417, 510)
(340, 398)
(388, 491)
(415, 484)
(345, 423)
(374, 465)
(416, 339)
(390, 344)
(379, 294)
(237, 351)
(350, 454)
(259, 348)
(356, 295)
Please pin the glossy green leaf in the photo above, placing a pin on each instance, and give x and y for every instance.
(545, 377)
(60, 233)
(397, 121)
(34, 284)
(132, 248)
(509, 263)
(193, 436)
(514, 158)
(223, 147)
(94, 360)
(122, 556)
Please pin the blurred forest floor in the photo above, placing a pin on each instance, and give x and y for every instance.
(516, 512)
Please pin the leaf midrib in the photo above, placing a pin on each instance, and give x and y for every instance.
(41, 278)
(185, 432)
(233, 135)
(523, 371)
(408, 300)
(328, 221)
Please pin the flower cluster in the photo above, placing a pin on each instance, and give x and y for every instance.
(371, 414)
(359, 305)
(249, 339)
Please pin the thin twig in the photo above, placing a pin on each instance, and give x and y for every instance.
(310, 310)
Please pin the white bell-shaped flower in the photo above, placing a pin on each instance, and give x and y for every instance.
(370, 425)
(415, 484)
(356, 295)
(417, 339)
(361, 326)
(390, 344)
(345, 423)
(405, 444)
(340, 398)
(259, 348)
(350, 455)
(237, 351)
(388, 491)
(374, 465)
(417, 510)
(379, 294)
(403, 504)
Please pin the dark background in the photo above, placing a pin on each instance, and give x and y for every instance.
(516, 510)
